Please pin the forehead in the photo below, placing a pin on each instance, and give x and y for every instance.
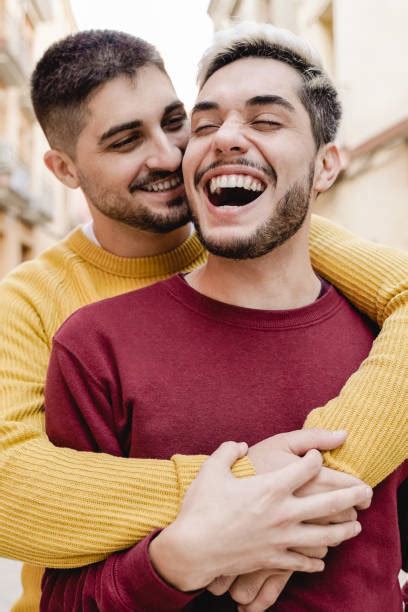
(245, 78)
(142, 98)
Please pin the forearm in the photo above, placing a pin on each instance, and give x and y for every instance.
(125, 581)
(372, 405)
(70, 508)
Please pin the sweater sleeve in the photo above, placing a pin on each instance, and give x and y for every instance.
(372, 406)
(53, 496)
(78, 414)
(125, 581)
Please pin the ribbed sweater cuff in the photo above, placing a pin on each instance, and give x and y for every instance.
(188, 466)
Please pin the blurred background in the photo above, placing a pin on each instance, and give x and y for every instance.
(364, 46)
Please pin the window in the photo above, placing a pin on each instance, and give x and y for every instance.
(26, 252)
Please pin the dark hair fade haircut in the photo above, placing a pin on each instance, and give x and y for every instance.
(73, 68)
(318, 94)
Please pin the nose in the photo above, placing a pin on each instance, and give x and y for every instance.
(164, 154)
(229, 139)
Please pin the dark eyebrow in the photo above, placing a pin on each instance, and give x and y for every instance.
(116, 129)
(177, 104)
(268, 100)
(204, 106)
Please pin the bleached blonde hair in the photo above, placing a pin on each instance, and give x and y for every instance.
(248, 39)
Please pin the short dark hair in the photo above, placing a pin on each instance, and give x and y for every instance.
(73, 68)
(318, 94)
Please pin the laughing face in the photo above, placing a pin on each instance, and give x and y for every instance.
(128, 156)
(250, 162)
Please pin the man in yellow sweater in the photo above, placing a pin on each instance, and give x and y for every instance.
(68, 508)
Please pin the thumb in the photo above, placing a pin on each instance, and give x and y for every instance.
(227, 453)
(304, 440)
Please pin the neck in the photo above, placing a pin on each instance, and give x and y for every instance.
(280, 280)
(126, 241)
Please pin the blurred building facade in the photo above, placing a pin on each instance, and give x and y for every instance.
(35, 209)
(364, 47)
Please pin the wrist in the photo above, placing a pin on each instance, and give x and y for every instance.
(169, 555)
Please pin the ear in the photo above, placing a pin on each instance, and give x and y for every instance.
(328, 166)
(63, 167)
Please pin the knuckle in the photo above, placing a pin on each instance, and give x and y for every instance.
(228, 445)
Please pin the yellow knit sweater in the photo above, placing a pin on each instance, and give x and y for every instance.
(62, 508)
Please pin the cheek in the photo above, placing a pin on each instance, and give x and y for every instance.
(181, 138)
(188, 163)
(194, 158)
(290, 158)
(122, 169)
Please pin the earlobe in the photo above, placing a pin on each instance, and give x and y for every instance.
(62, 166)
(328, 167)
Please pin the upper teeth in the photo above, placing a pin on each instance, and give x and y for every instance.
(235, 180)
(164, 185)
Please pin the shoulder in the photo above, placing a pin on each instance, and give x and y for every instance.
(101, 319)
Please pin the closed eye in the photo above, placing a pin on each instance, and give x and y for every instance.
(175, 123)
(130, 141)
(205, 129)
(265, 124)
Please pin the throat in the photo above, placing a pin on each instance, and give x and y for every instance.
(250, 285)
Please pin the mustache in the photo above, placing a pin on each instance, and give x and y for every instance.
(157, 175)
(240, 161)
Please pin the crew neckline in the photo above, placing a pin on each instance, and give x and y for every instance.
(325, 306)
(181, 258)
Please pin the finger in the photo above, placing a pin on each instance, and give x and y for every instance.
(326, 535)
(294, 475)
(294, 562)
(268, 594)
(305, 439)
(340, 517)
(246, 587)
(317, 552)
(338, 479)
(220, 585)
(344, 517)
(226, 454)
(327, 504)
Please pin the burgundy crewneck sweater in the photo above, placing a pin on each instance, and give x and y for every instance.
(166, 370)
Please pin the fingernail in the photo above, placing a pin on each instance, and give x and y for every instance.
(357, 528)
(368, 492)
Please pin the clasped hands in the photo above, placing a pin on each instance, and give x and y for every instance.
(248, 535)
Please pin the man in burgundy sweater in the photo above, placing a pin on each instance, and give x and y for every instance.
(240, 349)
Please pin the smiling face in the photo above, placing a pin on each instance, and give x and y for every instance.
(250, 162)
(128, 156)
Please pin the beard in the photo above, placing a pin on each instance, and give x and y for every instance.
(132, 212)
(284, 222)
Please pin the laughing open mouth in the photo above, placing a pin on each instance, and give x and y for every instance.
(233, 189)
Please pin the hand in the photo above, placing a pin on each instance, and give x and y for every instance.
(259, 590)
(246, 587)
(277, 451)
(230, 526)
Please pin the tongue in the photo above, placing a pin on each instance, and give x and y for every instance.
(233, 196)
